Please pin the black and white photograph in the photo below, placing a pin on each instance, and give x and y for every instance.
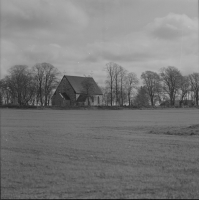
(99, 99)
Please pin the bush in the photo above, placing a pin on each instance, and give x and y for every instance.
(18, 106)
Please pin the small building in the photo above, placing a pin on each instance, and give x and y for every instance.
(76, 90)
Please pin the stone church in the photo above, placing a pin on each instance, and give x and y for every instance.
(75, 90)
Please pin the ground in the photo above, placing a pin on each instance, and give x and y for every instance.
(100, 153)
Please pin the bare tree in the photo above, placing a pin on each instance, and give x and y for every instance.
(194, 81)
(19, 84)
(29, 91)
(50, 76)
(131, 83)
(110, 69)
(123, 73)
(2, 91)
(46, 77)
(184, 87)
(117, 77)
(106, 96)
(171, 78)
(151, 81)
(38, 71)
(88, 87)
(6, 94)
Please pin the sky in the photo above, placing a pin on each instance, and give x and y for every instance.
(80, 37)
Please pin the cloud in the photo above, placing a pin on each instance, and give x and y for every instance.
(52, 53)
(151, 48)
(173, 26)
(33, 16)
(118, 57)
(129, 48)
(82, 36)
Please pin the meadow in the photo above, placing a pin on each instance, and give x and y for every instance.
(99, 153)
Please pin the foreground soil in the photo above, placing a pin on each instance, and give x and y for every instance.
(99, 154)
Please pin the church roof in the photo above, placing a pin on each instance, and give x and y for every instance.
(76, 83)
(82, 98)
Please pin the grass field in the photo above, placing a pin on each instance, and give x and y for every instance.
(100, 154)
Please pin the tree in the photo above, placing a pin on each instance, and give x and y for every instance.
(171, 78)
(151, 81)
(1, 99)
(106, 96)
(38, 71)
(19, 84)
(123, 73)
(142, 97)
(46, 77)
(194, 81)
(89, 88)
(131, 83)
(1, 93)
(116, 78)
(110, 69)
(5, 93)
(184, 87)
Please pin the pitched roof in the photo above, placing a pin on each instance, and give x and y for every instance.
(76, 83)
(82, 98)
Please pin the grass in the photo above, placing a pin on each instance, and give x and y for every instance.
(187, 130)
(99, 154)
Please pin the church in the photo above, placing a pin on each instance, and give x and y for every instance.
(76, 90)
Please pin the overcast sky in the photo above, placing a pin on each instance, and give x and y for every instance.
(80, 36)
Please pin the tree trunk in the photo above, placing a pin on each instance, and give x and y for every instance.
(111, 95)
(116, 92)
(196, 98)
(129, 99)
(121, 93)
(152, 103)
(19, 99)
(172, 100)
(88, 101)
(40, 95)
(46, 100)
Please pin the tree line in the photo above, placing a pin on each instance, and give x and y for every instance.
(35, 86)
(29, 86)
(122, 87)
